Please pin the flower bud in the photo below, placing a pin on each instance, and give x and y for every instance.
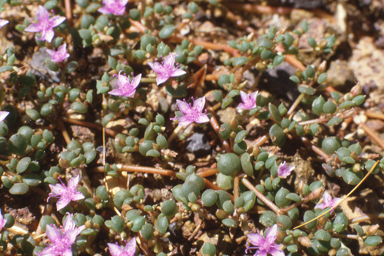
(323, 44)
(356, 167)
(304, 241)
(322, 67)
(260, 66)
(356, 90)
(316, 193)
(372, 229)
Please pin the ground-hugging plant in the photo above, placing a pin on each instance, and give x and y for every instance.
(149, 97)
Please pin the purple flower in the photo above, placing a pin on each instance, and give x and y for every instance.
(328, 201)
(166, 69)
(59, 55)
(266, 245)
(284, 170)
(45, 25)
(66, 194)
(192, 114)
(124, 87)
(3, 23)
(2, 221)
(61, 239)
(116, 7)
(129, 250)
(3, 115)
(249, 100)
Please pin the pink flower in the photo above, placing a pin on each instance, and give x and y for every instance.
(59, 55)
(3, 23)
(284, 170)
(328, 201)
(2, 221)
(66, 194)
(45, 25)
(166, 69)
(129, 250)
(266, 245)
(61, 239)
(192, 114)
(116, 7)
(3, 115)
(124, 87)
(249, 100)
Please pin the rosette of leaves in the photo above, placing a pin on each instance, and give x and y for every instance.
(154, 142)
(30, 146)
(77, 154)
(349, 165)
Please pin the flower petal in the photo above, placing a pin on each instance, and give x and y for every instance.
(48, 251)
(116, 92)
(203, 118)
(242, 106)
(3, 22)
(321, 206)
(161, 79)
(271, 234)
(261, 253)
(56, 21)
(136, 81)
(244, 97)
(77, 196)
(184, 107)
(169, 61)
(3, 115)
(67, 252)
(53, 233)
(73, 182)
(327, 198)
(253, 96)
(177, 72)
(122, 81)
(156, 66)
(62, 202)
(256, 239)
(130, 247)
(69, 224)
(35, 27)
(47, 35)
(42, 14)
(58, 189)
(199, 104)
(185, 121)
(70, 236)
(276, 251)
(114, 249)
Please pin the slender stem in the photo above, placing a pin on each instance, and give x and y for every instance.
(372, 134)
(334, 207)
(68, 12)
(174, 134)
(99, 127)
(236, 183)
(148, 80)
(64, 131)
(372, 114)
(208, 172)
(315, 149)
(262, 197)
(368, 217)
(216, 127)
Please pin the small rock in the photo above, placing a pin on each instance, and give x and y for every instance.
(339, 74)
(198, 143)
(39, 67)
